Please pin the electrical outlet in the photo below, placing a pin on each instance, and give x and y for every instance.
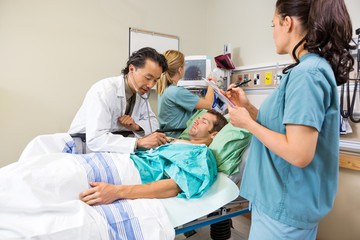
(278, 77)
(246, 78)
(268, 78)
(256, 79)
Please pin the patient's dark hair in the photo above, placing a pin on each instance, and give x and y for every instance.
(139, 57)
(328, 32)
(220, 121)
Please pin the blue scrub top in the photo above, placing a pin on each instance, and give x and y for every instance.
(299, 197)
(175, 106)
(193, 167)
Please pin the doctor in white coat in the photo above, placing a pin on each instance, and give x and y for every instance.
(120, 104)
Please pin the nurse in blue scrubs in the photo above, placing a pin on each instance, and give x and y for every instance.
(291, 175)
(176, 104)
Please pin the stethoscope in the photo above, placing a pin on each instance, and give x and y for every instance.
(350, 104)
(144, 98)
(137, 91)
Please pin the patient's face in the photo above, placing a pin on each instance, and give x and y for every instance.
(202, 126)
(145, 78)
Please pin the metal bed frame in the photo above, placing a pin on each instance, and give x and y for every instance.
(223, 215)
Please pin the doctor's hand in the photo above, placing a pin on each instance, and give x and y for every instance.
(239, 117)
(129, 123)
(100, 193)
(153, 140)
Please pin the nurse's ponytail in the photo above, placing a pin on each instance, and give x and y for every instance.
(175, 60)
(328, 32)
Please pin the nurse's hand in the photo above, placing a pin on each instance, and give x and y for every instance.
(239, 117)
(129, 123)
(237, 96)
(154, 140)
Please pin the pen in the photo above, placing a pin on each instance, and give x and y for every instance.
(239, 84)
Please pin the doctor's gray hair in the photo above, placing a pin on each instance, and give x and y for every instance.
(138, 59)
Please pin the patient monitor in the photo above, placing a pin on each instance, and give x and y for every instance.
(197, 68)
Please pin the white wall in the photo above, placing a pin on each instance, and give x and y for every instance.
(246, 25)
(52, 51)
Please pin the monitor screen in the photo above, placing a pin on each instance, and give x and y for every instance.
(197, 68)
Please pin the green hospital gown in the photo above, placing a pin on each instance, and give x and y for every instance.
(192, 167)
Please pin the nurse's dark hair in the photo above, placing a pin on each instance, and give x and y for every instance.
(139, 57)
(328, 32)
(220, 121)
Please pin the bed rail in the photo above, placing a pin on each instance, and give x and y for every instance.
(237, 207)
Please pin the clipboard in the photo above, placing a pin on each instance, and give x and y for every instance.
(219, 93)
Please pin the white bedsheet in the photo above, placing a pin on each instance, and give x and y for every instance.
(39, 197)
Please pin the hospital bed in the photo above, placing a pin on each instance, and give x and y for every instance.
(216, 207)
(221, 200)
(222, 203)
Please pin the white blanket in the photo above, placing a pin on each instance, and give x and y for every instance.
(39, 197)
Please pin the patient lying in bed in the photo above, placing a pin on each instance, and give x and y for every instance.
(170, 169)
(39, 195)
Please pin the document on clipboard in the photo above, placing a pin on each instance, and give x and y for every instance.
(218, 93)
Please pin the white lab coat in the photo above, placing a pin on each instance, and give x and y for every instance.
(98, 116)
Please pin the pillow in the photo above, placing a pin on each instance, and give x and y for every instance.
(228, 145)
